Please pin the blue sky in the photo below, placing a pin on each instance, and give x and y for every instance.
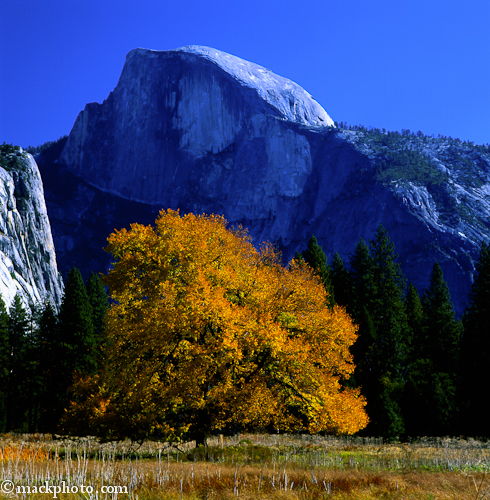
(419, 64)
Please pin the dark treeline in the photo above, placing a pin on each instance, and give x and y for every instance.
(422, 371)
(54, 148)
(41, 352)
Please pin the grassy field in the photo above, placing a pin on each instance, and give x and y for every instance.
(246, 467)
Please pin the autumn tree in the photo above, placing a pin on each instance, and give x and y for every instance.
(207, 334)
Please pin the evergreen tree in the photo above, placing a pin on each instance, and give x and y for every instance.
(77, 339)
(389, 313)
(441, 349)
(340, 281)
(34, 381)
(18, 392)
(418, 398)
(361, 273)
(442, 330)
(415, 319)
(364, 357)
(362, 279)
(315, 257)
(4, 364)
(380, 353)
(388, 273)
(77, 328)
(51, 356)
(99, 301)
(419, 389)
(475, 351)
(391, 330)
(100, 304)
(417, 393)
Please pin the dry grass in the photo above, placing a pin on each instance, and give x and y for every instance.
(252, 467)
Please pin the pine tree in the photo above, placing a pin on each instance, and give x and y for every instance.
(340, 281)
(17, 388)
(475, 350)
(51, 356)
(442, 335)
(389, 316)
(98, 300)
(4, 363)
(361, 273)
(77, 328)
(415, 318)
(315, 257)
(34, 383)
(388, 273)
(392, 332)
(362, 279)
(77, 343)
(417, 391)
(442, 330)
(359, 305)
(380, 353)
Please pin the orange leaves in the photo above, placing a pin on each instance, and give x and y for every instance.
(206, 332)
(25, 452)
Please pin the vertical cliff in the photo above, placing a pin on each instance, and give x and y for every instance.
(27, 255)
(170, 109)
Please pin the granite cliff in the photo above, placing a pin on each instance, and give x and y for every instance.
(204, 131)
(27, 255)
(172, 109)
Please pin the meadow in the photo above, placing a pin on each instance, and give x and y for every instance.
(246, 466)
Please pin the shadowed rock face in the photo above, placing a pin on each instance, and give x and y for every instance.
(203, 131)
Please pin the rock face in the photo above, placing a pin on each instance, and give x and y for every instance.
(203, 131)
(171, 109)
(27, 255)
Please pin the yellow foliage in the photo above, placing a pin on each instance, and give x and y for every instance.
(207, 332)
(25, 452)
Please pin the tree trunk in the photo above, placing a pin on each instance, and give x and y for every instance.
(200, 438)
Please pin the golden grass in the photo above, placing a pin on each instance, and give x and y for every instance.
(294, 468)
(22, 452)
